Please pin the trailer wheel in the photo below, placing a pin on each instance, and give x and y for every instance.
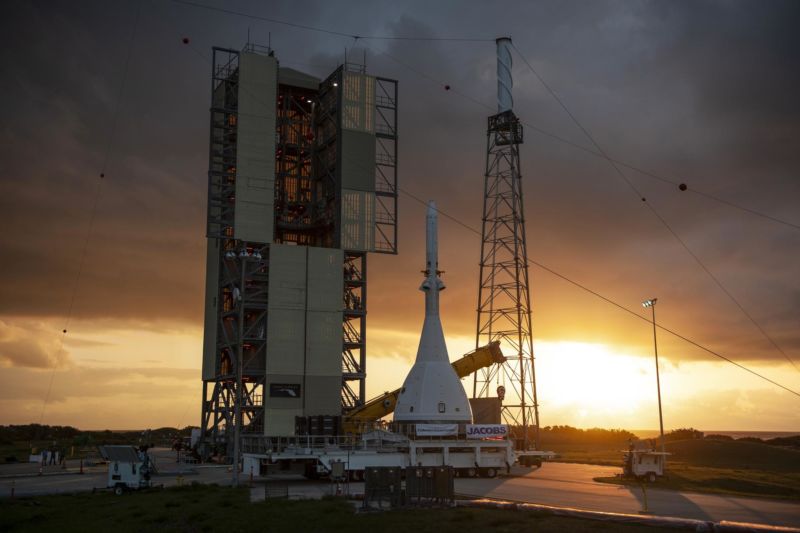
(490, 472)
(118, 490)
(471, 472)
(651, 477)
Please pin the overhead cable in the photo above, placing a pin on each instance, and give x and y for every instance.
(328, 31)
(655, 212)
(548, 269)
(612, 302)
(111, 135)
(593, 151)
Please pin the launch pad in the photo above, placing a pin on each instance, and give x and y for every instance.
(302, 188)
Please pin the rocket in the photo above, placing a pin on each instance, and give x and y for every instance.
(432, 392)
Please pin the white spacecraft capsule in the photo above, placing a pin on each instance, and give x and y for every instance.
(432, 392)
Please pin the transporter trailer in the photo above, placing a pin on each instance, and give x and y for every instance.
(314, 457)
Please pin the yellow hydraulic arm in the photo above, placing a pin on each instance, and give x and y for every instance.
(359, 417)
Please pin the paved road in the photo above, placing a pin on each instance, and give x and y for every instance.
(571, 485)
(55, 480)
(558, 484)
(71, 482)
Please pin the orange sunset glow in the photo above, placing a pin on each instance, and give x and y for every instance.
(126, 280)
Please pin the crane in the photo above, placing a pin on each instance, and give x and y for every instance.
(358, 418)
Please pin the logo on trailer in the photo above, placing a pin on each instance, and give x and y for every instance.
(487, 431)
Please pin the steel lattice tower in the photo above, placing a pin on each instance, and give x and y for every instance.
(504, 303)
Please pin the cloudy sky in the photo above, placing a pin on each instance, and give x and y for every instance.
(703, 93)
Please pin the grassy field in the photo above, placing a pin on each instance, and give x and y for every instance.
(724, 481)
(702, 465)
(594, 454)
(214, 508)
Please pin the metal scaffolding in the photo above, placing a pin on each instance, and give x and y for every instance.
(386, 166)
(354, 346)
(236, 392)
(307, 212)
(504, 304)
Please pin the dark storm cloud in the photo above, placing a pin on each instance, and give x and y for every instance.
(702, 91)
(145, 244)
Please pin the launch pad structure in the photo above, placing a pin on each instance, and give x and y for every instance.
(302, 186)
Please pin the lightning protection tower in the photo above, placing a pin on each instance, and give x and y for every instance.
(504, 304)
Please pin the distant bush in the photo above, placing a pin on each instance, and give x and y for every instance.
(683, 434)
(750, 439)
(42, 435)
(37, 432)
(791, 442)
(571, 435)
(718, 437)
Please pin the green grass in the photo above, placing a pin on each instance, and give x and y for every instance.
(213, 508)
(723, 481)
(594, 454)
(735, 455)
(721, 467)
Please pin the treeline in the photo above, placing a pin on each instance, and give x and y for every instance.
(789, 442)
(68, 435)
(571, 435)
(619, 437)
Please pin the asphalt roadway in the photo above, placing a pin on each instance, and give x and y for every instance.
(24, 479)
(556, 484)
(571, 485)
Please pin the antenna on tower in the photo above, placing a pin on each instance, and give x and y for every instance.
(504, 303)
(505, 102)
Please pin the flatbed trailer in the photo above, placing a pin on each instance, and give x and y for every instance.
(314, 457)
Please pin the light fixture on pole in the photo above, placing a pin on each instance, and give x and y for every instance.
(651, 303)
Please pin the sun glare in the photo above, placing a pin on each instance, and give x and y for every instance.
(591, 379)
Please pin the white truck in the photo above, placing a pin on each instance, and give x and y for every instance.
(128, 468)
(646, 464)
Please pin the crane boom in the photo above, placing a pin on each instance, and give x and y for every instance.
(357, 418)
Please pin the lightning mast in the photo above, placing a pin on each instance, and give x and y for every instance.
(504, 303)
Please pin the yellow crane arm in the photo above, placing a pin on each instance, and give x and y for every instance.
(378, 407)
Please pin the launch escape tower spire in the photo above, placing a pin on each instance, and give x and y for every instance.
(302, 185)
(504, 304)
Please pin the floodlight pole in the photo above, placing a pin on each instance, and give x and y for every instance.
(237, 416)
(652, 305)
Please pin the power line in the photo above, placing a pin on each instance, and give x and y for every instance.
(328, 31)
(650, 174)
(655, 212)
(544, 267)
(356, 37)
(612, 302)
(93, 211)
